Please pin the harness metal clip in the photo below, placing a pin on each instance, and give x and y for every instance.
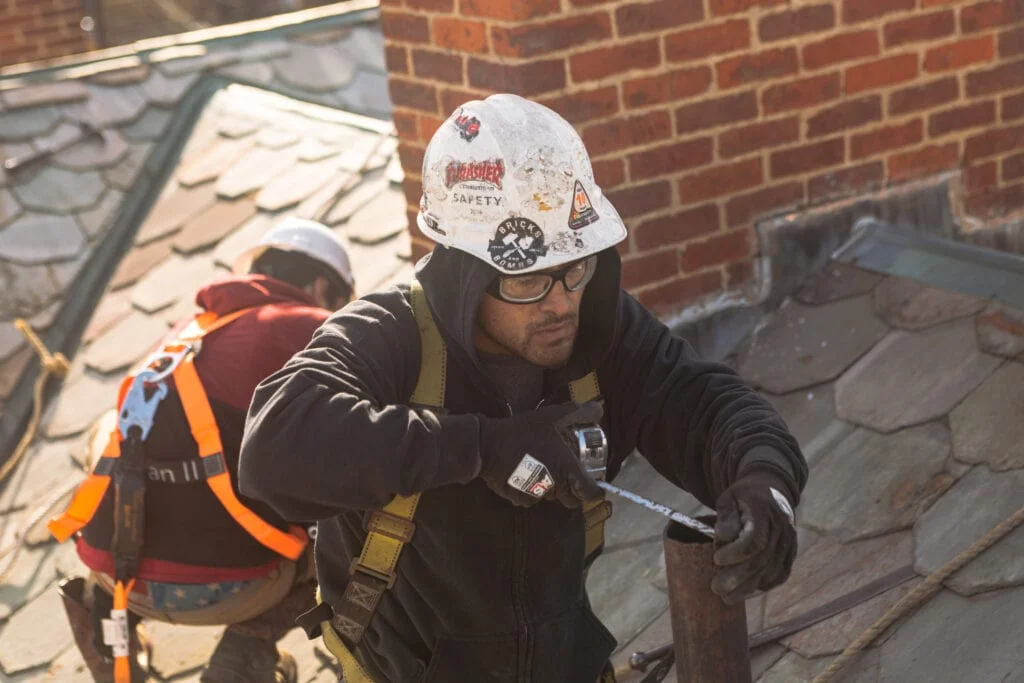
(138, 410)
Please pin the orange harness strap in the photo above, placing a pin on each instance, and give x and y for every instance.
(290, 544)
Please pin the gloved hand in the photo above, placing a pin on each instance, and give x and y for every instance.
(755, 536)
(537, 448)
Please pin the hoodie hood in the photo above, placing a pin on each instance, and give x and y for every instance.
(245, 291)
(454, 283)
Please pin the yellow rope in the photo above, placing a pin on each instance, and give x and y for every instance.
(52, 364)
(922, 592)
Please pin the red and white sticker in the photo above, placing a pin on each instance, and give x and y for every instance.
(532, 477)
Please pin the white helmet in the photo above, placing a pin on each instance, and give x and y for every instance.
(306, 237)
(509, 181)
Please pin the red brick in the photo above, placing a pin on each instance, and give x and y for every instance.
(698, 43)
(585, 105)
(862, 10)
(431, 5)
(610, 173)
(841, 48)
(846, 114)
(938, 3)
(396, 58)
(673, 296)
(717, 112)
(589, 3)
(641, 199)
(759, 66)
(428, 125)
(985, 15)
(530, 78)
(678, 156)
(881, 73)
(645, 17)
(1003, 77)
(994, 142)
(508, 11)
(678, 227)
(749, 207)
(727, 247)
(918, 28)
(411, 156)
(672, 85)
(404, 27)
(413, 190)
(737, 141)
(413, 95)
(997, 202)
(530, 40)
(1013, 107)
(980, 178)
(923, 162)
(738, 275)
(437, 66)
(960, 54)
(850, 180)
(461, 35)
(925, 96)
(961, 118)
(452, 99)
(1013, 167)
(883, 139)
(1011, 43)
(720, 7)
(800, 94)
(646, 268)
(806, 158)
(796, 22)
(626, 131)
(606, 61)
(405, 124)
(720, 180)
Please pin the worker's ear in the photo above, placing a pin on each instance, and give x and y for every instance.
(318, 289)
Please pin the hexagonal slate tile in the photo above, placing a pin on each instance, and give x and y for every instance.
(834, 282)
(81, 400)
(874, 483)
(58, 190)
(978, 502)
(8, 206)
(910, 378)
(35, 238)
(810, 415)
(952, 638)
(25, 124)
(315, 69)
(96, 152)
(910, 305)
(125, 343)
(807, 345)
(987, 425)
(35, 635)
(1001, 331)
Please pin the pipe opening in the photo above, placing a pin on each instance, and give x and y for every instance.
(675, 531)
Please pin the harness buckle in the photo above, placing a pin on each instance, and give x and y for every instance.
(138, 410)
(356, 566)
(164, 362)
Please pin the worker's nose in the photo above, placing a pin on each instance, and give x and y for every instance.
(558, 301)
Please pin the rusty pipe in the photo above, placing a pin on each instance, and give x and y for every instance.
(710, 637)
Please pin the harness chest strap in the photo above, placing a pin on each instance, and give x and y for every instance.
(204, 430)
(392, 527)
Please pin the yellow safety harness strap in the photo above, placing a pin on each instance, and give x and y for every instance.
(595, 512)
(390, 528)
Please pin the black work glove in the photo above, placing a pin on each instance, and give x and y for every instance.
(755, 539)
(536, 447)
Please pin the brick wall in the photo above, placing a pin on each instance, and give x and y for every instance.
(704, 115)
(40, 29)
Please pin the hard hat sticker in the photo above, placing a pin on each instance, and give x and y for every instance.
(469, 126)
(489, 172)
(517, 244)
(567, 242)
(582, 213)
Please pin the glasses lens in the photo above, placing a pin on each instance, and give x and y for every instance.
(580, 273)
(525, 287)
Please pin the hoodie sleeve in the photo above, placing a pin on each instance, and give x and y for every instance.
(328, 432)
(697, 422)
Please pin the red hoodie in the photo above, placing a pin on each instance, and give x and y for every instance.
(189, 537)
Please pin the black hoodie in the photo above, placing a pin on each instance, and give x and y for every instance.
(486, 591)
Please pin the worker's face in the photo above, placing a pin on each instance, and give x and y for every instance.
(320, 290)
(543, 333)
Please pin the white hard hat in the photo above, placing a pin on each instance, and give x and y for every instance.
(306, 237)
(510, 182)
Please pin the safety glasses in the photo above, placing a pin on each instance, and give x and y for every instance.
(531, 288)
